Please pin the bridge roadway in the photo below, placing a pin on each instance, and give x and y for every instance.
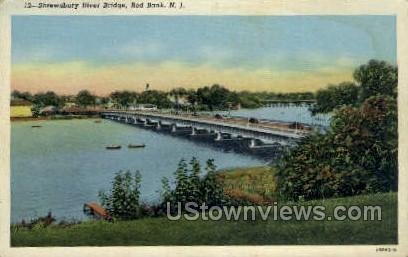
(269, 132)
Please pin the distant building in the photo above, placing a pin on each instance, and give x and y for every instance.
(181, 100)
(70, 104)
(143, 107)
(48, 110)
(20, 108)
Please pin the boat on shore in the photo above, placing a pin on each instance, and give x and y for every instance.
(113, 147)
(136, 145)
(97, 211)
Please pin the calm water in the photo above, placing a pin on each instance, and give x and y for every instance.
(288, 113)
(64, 164)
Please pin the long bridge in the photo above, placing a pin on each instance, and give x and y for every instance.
(257, 133)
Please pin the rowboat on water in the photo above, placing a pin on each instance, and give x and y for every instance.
(113, 147)
(36, 126)
(136, 145)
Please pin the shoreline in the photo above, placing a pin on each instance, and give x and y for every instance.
(54, 117)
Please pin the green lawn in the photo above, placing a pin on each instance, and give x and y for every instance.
(160, 231)
(253, 183)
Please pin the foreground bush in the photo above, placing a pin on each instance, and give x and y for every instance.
(123, 200)
(357, 156)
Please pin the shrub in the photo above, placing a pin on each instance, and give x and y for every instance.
(190, 186)
(123, 200)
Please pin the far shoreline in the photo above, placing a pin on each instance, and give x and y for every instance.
(54, 117)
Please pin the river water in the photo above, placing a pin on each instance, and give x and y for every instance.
(64, 164)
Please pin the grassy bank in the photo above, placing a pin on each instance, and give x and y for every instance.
(255, 184)
(160, 231)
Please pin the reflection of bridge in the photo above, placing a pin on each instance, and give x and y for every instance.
(258, 135)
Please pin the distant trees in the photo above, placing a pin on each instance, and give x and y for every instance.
(156, 97)
(47, 98)
(216, 97)
(124, 99)
(84, 98)
(207, 98)
(15, 94)
(249, 100)
(359, 153)
(177, 93)
(335, 96)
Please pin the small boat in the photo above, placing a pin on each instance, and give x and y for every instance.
(113, 147)
(136, 145)
(36, 126)
(97, 211)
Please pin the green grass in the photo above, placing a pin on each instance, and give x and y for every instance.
(160, 231)
(254, 183)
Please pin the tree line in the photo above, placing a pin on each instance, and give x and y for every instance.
(208, 98)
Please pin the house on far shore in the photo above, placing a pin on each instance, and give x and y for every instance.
(48, 110)
(70, 104)
(20, 108)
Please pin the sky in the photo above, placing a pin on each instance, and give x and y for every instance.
(273, 53)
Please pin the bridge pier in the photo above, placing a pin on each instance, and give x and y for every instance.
(252, 143)
(187, 130)
(218, 136)
(193, 131)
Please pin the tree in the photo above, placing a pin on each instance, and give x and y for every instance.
(46, 99)
(249, 100)
(211, 188)
(335, 96)
(182, 190)
(21, 95)
(194, 177)
(191, 187)
(123, 199)
(124, 99)
(192, 97)
(84, 98)
(377, 78)
(156, 97)
(177, 93)
(215, 97)
(372, 79)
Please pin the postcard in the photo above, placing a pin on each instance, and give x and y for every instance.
(196, 128)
